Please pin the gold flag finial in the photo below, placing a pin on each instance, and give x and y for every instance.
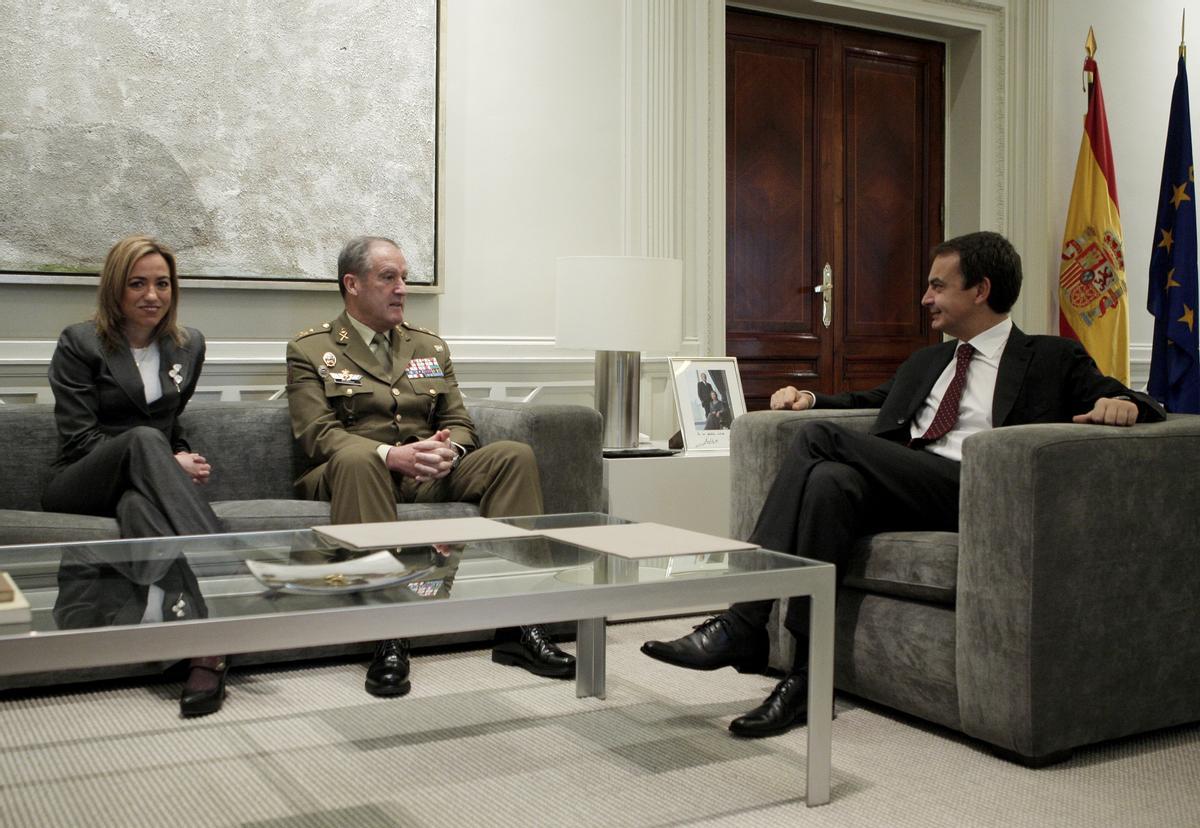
(1090, 48)
(1183, 35)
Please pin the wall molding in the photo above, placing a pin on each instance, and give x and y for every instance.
(512, 368)
(483, 359)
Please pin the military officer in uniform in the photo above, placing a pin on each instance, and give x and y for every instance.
(376, 409)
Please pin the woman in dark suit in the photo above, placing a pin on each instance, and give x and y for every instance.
(120, 382)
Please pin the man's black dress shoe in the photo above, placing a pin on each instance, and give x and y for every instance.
(531, 648)
(785, 708)
(204, 690)
(388, 673)
(712, 645)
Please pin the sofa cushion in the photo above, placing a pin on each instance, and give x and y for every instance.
(30, 440)
(920, 565)
(249, 445)
(18, 526)
(280, 515)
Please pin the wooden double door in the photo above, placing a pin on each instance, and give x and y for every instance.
(834, 176)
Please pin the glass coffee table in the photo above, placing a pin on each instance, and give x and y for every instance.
(284, 590)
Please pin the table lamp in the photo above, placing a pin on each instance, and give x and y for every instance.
(619, 306)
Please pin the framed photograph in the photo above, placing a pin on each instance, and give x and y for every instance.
(708, 397)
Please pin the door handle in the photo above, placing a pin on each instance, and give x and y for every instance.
(826, 291)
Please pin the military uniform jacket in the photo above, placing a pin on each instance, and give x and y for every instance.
(98, 393)
(339, 394)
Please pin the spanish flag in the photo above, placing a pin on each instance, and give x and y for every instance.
(1092, 303)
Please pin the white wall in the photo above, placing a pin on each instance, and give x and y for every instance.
(532, 156)
(543, 143)
(1137, 54)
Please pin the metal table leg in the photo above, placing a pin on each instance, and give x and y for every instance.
(589, 658)
(820, 692)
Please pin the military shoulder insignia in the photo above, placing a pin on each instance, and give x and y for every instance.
(322, 328)
(426, 331)
(343, 335)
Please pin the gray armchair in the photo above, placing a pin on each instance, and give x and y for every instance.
(1065, 610)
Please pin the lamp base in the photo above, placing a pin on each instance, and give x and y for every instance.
(618, 396)
(644, 451)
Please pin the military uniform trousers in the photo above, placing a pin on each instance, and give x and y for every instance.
(501, 477)
(836, 486)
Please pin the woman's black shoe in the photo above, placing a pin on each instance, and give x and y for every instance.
(204, 690)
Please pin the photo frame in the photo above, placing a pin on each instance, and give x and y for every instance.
(708, 398)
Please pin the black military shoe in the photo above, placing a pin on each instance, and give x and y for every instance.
(714, 644)
(785, 708)
(388, 673)
(531, 648)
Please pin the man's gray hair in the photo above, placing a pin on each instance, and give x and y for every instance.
(356, 258)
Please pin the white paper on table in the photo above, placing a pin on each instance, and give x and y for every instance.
(414, 532)
(645, 540)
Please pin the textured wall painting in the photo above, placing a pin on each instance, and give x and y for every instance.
(253, 137)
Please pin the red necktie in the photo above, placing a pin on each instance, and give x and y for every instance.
(947, 411)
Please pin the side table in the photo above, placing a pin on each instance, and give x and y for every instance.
(690, 491)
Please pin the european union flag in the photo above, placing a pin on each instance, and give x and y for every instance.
(1175, 363)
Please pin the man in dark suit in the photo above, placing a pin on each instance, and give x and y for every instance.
(704, 391)
(904, 475)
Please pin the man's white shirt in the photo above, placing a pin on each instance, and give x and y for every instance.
(975, 408)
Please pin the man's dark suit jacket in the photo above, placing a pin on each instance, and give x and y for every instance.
(98, 393)
(1041, 379)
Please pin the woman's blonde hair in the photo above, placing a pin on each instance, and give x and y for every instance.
(117, 265)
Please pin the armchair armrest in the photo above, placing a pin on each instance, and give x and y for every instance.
(1078, 585)
(566, 440)
(759, 442)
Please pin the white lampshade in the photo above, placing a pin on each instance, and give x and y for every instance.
(619, 303)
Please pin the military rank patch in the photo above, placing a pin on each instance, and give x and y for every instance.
(423, 368)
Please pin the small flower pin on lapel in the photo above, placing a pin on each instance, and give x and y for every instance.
(176, 374)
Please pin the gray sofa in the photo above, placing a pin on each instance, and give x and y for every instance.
(1065, 610)
(254, 463)
(255, 460)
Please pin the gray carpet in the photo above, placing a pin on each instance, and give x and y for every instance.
(480, 744)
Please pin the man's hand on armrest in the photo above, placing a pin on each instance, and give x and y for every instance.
(425, 459)
(792, 399)
(1110, 411)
